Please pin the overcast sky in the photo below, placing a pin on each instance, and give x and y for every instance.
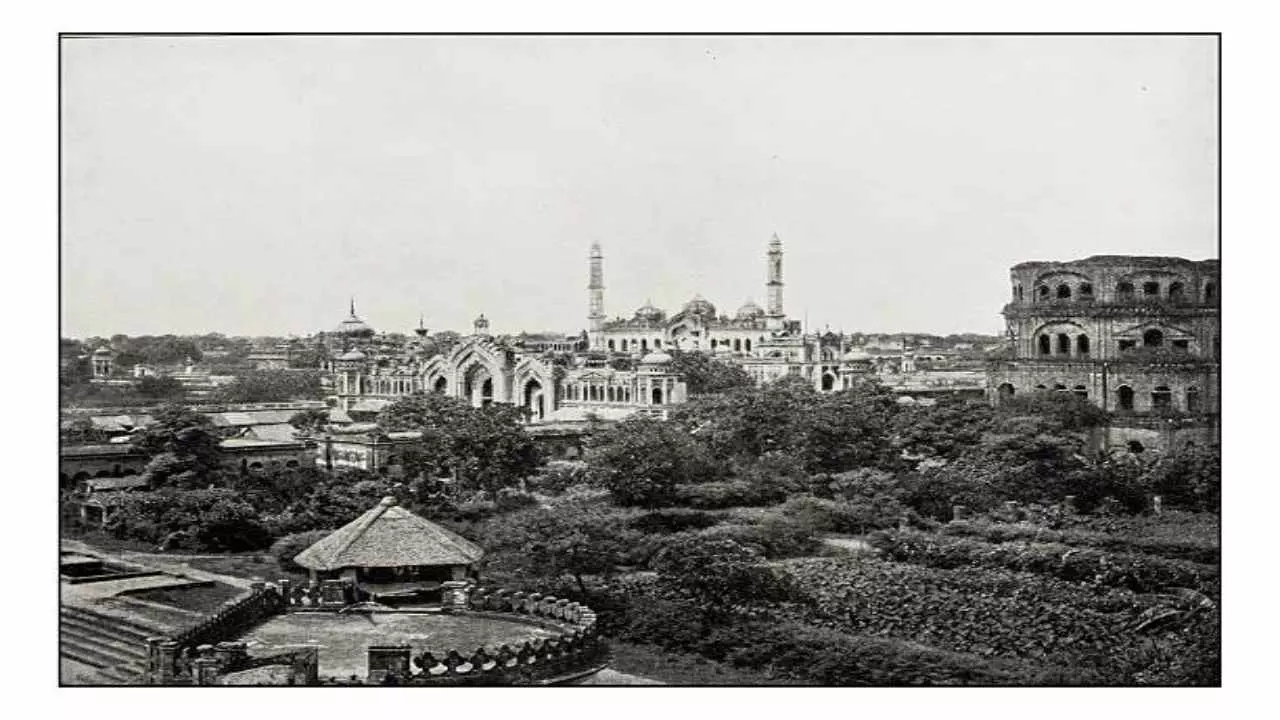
(251, 185)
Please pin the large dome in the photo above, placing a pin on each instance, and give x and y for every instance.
(750, 310)
(353, 325)
(700, 306)
(655, 358)
(648, 312)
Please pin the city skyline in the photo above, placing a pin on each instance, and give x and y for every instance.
(250, 186)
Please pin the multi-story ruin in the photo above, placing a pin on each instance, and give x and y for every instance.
(1137, 336)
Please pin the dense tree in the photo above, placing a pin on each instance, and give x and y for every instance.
(487, 447)
(704, 375)
(720, 573)
(310, 421)
(209, 520)
(641, 460)
(578, 539)
(1190, 477)
(943, 430)
(159, 388)
(183, 445)
(271, 386)
(81, 430)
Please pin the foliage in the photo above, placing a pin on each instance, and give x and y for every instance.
(577, 540)
(487, 447)
(285, 549)
(159, 388)
(183, 447)
(271, 386)
(310, 421)
(720, 573)
(725, 494)
(1189, 477)
(641, 460)
(772, 537)
(82, 430)
(203, 520)
(1175, 549)
(1140, 573)
(944, 430)
(1064, 410)
(705, 375)
(557, 476)
(673, 520)
(841, 516)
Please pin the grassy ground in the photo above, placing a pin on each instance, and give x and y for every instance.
(251, 566)
(204, 599)
(680, 669)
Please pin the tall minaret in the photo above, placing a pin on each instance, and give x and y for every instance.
(774, 314)
(595, 297)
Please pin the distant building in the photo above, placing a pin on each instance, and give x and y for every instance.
(1137, 336)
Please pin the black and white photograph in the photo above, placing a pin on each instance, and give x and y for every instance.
(639, 359)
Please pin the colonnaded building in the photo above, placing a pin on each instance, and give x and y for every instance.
(1137, 336)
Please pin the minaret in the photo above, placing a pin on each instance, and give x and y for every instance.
(595, 297)
(775, 316)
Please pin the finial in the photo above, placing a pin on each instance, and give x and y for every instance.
(353, 306)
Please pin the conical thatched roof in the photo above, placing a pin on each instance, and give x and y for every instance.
(389, 536)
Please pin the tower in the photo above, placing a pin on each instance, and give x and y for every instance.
(481, 325)
(595, 297)
(775, 315)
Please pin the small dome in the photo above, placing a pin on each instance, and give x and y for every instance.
(352, 355)
(750, 310)
(655, 358)
(700, 306)
(104, 350)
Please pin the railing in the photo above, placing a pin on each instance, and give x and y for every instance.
(171, 659)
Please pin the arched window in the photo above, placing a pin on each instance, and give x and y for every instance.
(1152, 338)
(1124, 395)
(1081, 392)
(747, 344)
(1004, 393)
(1086, 290)
(1042, 292)
(1082, 344)
(1176, 292)
(1059, 387)
(1041, 388)
(1151, 289)
(1210, 292)
(737, 344)
(1064, 344)
(1044, 344)
(612, 347)
(1161, 398)
(1017, 292)
(644, 346)
(441, 385)
(1135, 447)
(1064, 292)
(657, 344)
(828, 382)
(1193, 399)
(657, 396)
(1124, 291)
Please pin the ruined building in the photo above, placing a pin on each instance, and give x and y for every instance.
(1137, 336)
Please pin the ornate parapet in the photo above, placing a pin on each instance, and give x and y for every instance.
(179, 659)
(576, 650)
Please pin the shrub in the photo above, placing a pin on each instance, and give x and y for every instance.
(213, 520)
(726, 494)
(557, 476)
(1189, 548)
(674, 520)
(774, 537)
(287, 548)
(1140, 573)
(510, 500)
(844, 516)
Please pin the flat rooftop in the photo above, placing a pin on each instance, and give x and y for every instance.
(344, 638)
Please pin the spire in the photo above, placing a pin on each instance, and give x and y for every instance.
(595, 295)
(353, 306)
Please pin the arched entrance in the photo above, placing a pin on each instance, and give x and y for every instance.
(657, 396)
(532, 398)
(1004, 393)
(828, 382)
(441, 386)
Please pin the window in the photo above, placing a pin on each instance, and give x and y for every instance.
(1124, 395)
(1004, 393)
(1161, 398)
(1217, 349)
(1064, 292)
(1181, 345)
(737, 344)
(1044, 344)
(1193, 399)
(1059, 387)
(1126, 345)
(1042, 292)
(1064, 344)
(1082, 344)
(1152, 338)
(1086, 290)
(1176, 292)
(1135, 447)
(1210, 292)
(1151, 289)
(1081, 392)
(657, 344)
(1125, 291)
(1017, 292)
(1041, 388)
(644, 346)
(624, 345)
(748, 344)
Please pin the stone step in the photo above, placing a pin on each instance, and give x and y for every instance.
(114, 620)
(91, 653)
(106, 633)
(122, 675)
(96, 639)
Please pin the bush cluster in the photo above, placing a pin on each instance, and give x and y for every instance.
(1191, 549)
(287, 548)
(1139, 573)
(674, 520)
(726, 494)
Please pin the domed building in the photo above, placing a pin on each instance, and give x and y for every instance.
(697, 327)
(353, 327)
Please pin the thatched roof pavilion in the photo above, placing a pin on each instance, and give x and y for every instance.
(390, 551)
